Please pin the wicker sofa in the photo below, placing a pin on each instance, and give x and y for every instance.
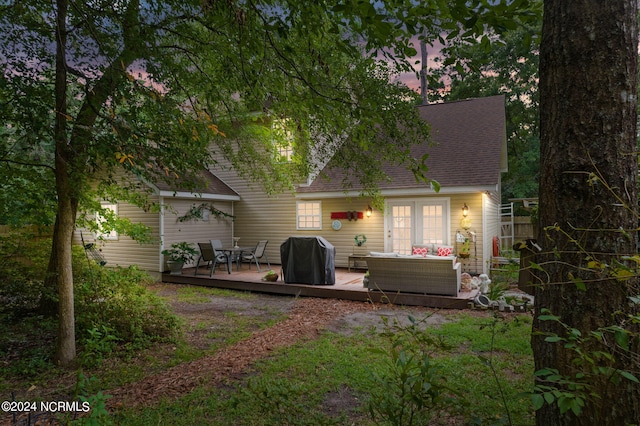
(412, 274)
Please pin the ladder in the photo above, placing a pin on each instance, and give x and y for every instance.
(507, 227)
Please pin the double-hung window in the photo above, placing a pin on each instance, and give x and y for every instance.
(309, 215)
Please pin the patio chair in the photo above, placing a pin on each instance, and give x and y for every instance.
(211, 257)
(256, 254)
(219, 249)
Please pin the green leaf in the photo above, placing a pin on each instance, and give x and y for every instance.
(628, 376)
(622, 339)
(537, 401)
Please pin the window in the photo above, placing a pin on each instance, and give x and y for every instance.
(282, 141)
(309, 215)
(110, 213)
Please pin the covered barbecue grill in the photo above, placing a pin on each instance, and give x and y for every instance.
(308, 260)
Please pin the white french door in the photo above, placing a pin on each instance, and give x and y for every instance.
(411, 222)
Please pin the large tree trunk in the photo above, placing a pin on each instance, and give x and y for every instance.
(588, 197)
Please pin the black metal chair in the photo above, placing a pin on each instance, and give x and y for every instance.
(211, 257)
(257, 254)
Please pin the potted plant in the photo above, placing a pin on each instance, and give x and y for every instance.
(178, 255)
(270, 276)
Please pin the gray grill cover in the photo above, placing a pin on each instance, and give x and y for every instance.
(308, 260)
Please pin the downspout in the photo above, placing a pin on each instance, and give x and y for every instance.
(233, 221)
(160, 255)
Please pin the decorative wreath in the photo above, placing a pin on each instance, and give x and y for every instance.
(360, 239)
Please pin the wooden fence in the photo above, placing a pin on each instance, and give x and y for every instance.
(522, 228)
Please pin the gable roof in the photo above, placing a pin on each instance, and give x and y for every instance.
(469, 149)
(209, 187)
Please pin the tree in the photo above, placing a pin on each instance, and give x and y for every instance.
(509, 66)
(585, 337)
(154, 87)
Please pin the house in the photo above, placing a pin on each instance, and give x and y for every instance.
(467, 160)
(184, 215)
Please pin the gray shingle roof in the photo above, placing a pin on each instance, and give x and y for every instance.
(208, 184)
(469, 148)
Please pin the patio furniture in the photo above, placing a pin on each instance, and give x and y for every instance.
(425, 275)
(235, 254)
(256, 254)
(308, 260)
(211, 257)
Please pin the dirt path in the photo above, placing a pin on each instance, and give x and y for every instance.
(306, 319)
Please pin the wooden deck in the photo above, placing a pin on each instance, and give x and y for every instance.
(348, 286)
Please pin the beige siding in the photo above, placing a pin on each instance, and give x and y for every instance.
(124, 251)
(492, 226)
(273, 218)
(195, 231)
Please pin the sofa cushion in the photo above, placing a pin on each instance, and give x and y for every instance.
(382, 254)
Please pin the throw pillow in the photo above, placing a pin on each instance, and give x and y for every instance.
(422, 251)
(445, 251)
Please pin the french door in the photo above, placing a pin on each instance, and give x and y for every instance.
(411, 222)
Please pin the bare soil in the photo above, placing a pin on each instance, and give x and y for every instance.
(304, 319)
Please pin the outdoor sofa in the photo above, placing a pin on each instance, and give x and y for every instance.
(438, 275)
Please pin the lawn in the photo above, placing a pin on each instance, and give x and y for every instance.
(381, 363)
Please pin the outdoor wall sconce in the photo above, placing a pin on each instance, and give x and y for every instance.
(369, 211)
(465, 210)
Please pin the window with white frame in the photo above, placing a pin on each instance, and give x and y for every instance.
(111, 210)
(282, 140)
(309, 215)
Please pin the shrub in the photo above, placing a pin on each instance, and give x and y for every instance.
(112, 305)
(116, 299)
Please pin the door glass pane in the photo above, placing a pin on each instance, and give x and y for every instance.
(433, 224)
(401, 229)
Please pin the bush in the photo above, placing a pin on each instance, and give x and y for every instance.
(112, 306)
(115, 299)
(23, 261)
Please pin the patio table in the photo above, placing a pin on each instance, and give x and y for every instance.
(235, 252)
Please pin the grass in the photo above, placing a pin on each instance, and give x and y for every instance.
(296, 385)
(195, 295)
(486, 360)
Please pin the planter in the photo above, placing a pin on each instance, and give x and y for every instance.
(271, 277)
(175, 267)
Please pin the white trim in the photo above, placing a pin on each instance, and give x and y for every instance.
(407, 192)
(313, 228)
(416, 221)
(191, 195)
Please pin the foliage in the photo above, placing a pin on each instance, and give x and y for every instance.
(23, 257)
(114, 302)
(181, 252)
(510, 66)
(411, 388)
(197, 212)
(571, 392)
(114, 310)
(98, 416)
